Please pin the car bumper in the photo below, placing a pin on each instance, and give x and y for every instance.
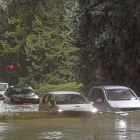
(69, 113)
(26, 101)
(1, 97)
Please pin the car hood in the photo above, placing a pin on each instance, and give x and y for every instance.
(76, 107)
(125, 104)
(2, 92)
(32, 95)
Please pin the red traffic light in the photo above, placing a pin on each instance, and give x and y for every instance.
(11, 68)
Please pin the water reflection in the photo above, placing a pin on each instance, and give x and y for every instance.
(121, 127)
(51, 135)
(3, 129)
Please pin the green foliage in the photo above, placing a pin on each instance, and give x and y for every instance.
(44, 88)
(108, 35)
(17, 26)
(45, 49)
(53, 42)
(32, 40)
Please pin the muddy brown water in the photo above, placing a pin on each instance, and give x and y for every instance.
(100, 126)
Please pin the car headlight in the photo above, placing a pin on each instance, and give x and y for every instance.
(60, 110)
(116, 109)
(94, 110)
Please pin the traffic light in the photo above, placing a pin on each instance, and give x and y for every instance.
(11, 68)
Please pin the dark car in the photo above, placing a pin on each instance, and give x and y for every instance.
(20, 94)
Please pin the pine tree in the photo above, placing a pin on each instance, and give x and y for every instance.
(107, 33)
(19, 16)
(46, 51)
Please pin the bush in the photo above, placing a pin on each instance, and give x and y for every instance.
(44, 88)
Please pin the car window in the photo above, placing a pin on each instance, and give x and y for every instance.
(26, 90)
(91, 94)
(70, 99)
(48, 98)
(9, 90)
(3, 87)
(96, 94)
(120, 94)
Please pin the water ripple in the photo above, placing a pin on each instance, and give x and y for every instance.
(17, 108)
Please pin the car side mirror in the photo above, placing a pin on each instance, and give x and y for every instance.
(99, 100)
(36, 93)
(8, 93)
(91, 102)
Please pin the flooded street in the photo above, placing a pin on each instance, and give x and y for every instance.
(17, 108)
(113, 126)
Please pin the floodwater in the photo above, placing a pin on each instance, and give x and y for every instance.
(100, 126)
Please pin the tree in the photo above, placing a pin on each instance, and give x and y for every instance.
(46, 51)
(107, 34)
(17, 27)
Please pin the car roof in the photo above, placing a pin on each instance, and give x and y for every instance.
(4, 83)
(20, 86)
(64, 92)
(111, 87)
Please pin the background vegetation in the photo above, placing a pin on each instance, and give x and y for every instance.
(58, 42)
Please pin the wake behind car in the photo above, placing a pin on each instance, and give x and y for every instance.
(3, 88)
(114, 98)
(20, 94)
(65, 101)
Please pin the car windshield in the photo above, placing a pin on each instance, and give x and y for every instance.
(120, 94)
(3, 87)
(26, 90)
(70, 99)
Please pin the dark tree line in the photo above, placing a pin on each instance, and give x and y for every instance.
(94, 42)
(108, 35)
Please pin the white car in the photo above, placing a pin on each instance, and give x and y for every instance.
(3, 88)
(113, 98)
(64, 101)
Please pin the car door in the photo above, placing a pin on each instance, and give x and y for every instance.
(7, 95)
(98, 97)
(47, 103)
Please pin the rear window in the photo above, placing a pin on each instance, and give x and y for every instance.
(25, 90)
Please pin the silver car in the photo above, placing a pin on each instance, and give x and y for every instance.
(63, 101)
(114, 98)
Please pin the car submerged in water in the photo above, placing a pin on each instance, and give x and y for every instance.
(20, 94)
(114, 98)
(66, 101)
(3, 88)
